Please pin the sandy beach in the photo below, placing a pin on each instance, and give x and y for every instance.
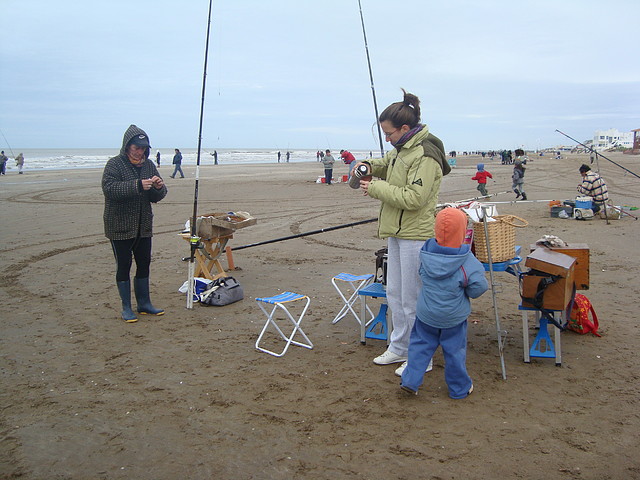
(186, 395)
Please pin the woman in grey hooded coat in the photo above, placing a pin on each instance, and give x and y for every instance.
(130, 183)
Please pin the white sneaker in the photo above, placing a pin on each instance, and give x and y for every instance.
(401, 368)
(388, 357)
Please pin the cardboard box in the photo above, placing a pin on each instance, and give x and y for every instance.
(579, 251)
(221, 224)
(543, 263)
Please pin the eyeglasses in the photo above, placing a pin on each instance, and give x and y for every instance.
(389, 134)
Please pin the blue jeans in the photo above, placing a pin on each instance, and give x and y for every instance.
(423, 344)
(176, 170)
(328, 174)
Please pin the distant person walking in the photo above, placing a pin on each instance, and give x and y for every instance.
(481, 177)
(518, 180)
(177, 161)
(288, 156)
(3, 163)
(158, 157)
(130, 184)
(20, 162)
(328, 162)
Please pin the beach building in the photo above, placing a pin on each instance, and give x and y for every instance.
(605, 139)
(636, 142)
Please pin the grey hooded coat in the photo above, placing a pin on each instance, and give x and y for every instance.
(127, 207)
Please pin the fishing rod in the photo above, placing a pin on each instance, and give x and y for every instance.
(482, 197)
(194, 240)
(306, 234)
(525, 201)
(5, 139)
(338, 227)
(373, 89)
(593, 151)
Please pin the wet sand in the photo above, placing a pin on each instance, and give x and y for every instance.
(86, 396)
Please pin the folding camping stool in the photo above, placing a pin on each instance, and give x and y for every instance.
(280, 302)
(355, 283)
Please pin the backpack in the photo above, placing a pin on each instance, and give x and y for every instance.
(579, 319)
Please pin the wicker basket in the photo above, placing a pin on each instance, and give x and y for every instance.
(502, 238)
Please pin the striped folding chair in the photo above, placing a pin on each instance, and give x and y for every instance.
(349, 285)
(284, 302)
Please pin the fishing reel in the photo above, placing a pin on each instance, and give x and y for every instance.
(195, 245)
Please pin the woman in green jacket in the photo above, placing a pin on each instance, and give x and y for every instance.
(407, 186)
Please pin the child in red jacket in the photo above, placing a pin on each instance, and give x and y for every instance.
(481, 177)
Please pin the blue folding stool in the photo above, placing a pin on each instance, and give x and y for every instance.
(355, 283)
(543, 346)
(378, 327)
(283, 302)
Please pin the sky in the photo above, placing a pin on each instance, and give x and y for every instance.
(293, 74)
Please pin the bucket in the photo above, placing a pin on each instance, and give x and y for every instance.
(583, 202)
(345, 178)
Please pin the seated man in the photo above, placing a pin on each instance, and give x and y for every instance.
(593, 186)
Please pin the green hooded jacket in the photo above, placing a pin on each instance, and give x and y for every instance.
(408, 188)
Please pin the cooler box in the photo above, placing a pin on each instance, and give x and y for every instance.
(542, 264)
(583, 202)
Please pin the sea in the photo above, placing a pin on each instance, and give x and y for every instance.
(71, 158)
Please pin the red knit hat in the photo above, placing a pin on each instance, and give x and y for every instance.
(451, 226)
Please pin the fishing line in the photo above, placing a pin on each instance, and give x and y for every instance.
(195, 240)
(373, 89)
(591, 149)
(7, 141)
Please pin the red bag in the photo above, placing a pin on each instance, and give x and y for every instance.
(579, 320)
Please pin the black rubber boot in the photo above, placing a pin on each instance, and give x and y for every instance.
(524, 196)
(141, 287)
(517, 193)
(124, 289)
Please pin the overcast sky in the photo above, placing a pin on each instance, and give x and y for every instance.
(293, 73)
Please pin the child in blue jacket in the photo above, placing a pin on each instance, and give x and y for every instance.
(451, 275)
